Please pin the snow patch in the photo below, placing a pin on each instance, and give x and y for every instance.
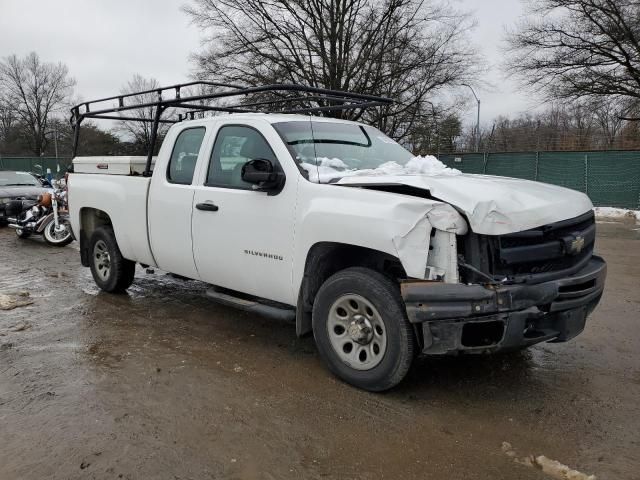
(552, 468)
(331, 162)
(328, 169)
(11, 301)
(617, 213)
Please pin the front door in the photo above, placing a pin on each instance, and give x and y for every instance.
(243, 238)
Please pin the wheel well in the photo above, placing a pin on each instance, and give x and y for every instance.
(90, 220)
(326, 258)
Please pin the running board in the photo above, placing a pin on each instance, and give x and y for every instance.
(252, 306)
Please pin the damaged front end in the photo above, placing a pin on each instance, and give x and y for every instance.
(516, 290)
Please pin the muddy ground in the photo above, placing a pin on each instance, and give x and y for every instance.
(162, 383)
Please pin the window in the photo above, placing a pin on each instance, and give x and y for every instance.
(235, 146)
(326, 151)
(185, 155)
(15, 179)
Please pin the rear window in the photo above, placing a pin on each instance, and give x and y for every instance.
(185, 155)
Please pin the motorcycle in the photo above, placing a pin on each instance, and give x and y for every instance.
(45, 216)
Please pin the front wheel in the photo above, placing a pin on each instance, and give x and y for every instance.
(58, 237)
(361, 329)
(111, 271)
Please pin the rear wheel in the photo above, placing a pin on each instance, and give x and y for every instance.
(361, 329)
(111, 271)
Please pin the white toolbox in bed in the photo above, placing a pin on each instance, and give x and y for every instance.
(111, 165)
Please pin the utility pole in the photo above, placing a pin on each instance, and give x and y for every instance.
(478, 118)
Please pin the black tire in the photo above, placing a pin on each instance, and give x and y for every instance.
(118, 276)
(384, 295)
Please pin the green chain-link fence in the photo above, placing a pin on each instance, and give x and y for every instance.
(610, 178)
(39, 165)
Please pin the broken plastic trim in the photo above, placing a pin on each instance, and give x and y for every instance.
(412, 248)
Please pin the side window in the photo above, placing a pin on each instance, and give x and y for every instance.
(185, 155)
(235, 146)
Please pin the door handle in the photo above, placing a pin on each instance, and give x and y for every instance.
(208, 207)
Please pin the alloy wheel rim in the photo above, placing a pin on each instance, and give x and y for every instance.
(102, 259)
(357, 332)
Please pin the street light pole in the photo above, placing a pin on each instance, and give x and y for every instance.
(55, 139)
(435, 122)
(478, 119)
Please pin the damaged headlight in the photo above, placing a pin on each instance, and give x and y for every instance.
(446, 218)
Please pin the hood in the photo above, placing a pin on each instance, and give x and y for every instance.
(21, 191)
(492, 205)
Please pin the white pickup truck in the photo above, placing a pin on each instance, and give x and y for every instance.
(382, 255)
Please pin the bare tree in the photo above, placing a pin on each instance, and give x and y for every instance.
(7, 119)
(572, 49)
(407, 50)
(139, 132)
(580, 120)
(576, 126)
(34, 91)
(608, 114)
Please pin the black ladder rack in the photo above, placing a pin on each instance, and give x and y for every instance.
(290, 98)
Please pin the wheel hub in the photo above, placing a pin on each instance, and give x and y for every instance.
(360, 330)
(357, 332)
(102, 259)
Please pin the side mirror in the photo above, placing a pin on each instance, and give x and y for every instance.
(261, 173)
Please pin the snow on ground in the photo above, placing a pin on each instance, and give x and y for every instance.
(328, 169)
(617, 213)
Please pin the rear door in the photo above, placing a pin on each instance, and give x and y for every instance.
(243, 238)
(171, 201)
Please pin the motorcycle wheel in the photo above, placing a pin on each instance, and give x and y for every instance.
(60, 238)
(22, 233)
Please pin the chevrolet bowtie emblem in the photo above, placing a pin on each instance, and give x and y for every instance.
(577, 245)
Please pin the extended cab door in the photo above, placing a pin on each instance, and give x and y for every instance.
(171, 200)
(243, 238)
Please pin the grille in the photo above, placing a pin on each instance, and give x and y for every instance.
(539, 254)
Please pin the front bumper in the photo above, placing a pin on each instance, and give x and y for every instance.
(484, 319)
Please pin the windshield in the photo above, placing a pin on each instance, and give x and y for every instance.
(18, 179)
(328, 151)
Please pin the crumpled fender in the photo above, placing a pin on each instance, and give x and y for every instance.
(412, 247)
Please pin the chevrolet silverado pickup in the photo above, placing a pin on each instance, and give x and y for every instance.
(381, 254)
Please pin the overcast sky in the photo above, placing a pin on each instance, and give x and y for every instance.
(104, 42)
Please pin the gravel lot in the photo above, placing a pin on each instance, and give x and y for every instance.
(162, 383)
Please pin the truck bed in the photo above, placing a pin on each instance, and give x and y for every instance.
(124, 199)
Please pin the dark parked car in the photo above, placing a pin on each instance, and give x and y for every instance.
(18, 186)
(43, 180)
